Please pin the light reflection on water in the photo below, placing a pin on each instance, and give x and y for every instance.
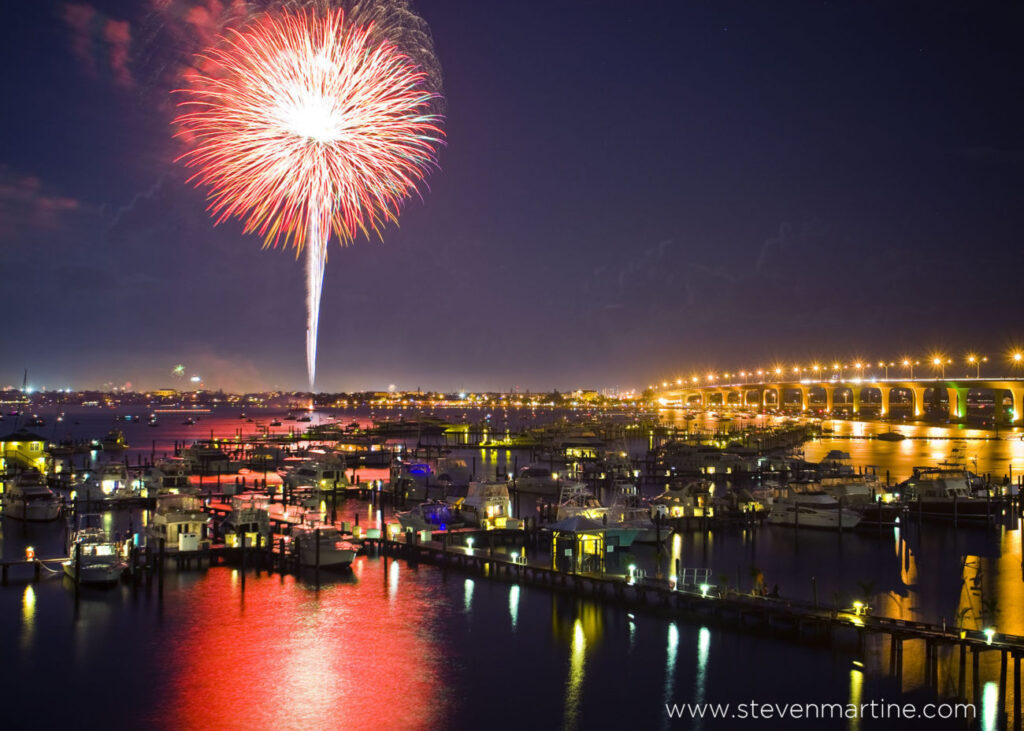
(513, 605)
(574, 685)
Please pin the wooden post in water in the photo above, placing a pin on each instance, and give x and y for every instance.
(1016, 692)
(976, 676)
(962, 676)
(160, 569)
(78, 571)
(316, 537)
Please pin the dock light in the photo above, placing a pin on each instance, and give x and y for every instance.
(469, 543)
(30, 553)
(989, 634)
(858, 608)
(632, 573)
(704, 590)
(515, 557)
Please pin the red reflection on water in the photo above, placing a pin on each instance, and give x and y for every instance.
(287, 656)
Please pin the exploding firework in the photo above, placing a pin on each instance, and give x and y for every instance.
(307, 122)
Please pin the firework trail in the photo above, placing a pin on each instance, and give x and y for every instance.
(312, 121)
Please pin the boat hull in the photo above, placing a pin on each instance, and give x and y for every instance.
(820, 519)
(32, 513)
(105, 574)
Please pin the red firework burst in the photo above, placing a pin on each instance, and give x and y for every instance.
(302, 123)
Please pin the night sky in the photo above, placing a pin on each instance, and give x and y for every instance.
(630, 190)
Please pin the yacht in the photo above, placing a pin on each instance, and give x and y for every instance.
(538, 480)
(683, 498)
(483, 501)
(35, 420)
(334, 552)
(629, 511)
(28, 498)
(323, 474)
(180, 522)
(248, 520)
(168, 477)
(812, 509)
(944, 493)
(576, 501)
(95, 559)
(114, 441)
(430, 515)
(276, 422)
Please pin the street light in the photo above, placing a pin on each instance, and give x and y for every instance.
(886, 366)
(976, 361)
(941, 363)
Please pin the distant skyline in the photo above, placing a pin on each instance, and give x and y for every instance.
(628, 191)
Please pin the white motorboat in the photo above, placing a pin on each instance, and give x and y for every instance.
(95, 559)
(248, 521)
(334, 552)
(812, 509)
(430, 515)
(180, 522)
(323, 474)
(28, 498)
(168, 477)
(945, 493)
(629, 511)
(483, 501)
(576, 500)
(538, 479)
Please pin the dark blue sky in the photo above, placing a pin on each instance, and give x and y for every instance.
(629, 190)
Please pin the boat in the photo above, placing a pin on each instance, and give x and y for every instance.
(28, 498)
(812, 509)
(178, 521)
(326, 473)
(628, 510)
(35, 420)
(317, 544)
(306, 418)
(248, 521)
(484, 501)
(430, 515)
(188, 422)
(683, 498)
(891, 436)
(275, 422)
(153, 421)
(95, 559)
(945, 493)
(576, 500)
(538, 479)
(168, 477)
(114, 441)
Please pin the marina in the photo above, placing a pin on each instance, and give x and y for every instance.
(569, 552)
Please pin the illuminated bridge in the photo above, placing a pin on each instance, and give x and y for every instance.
(852, 393)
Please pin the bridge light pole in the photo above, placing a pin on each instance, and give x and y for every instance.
(907, 363)
(886, 366)
(839, 368)
(778, 372)
(760, 375)
(976, 361)
(941, 363)
(816, 368)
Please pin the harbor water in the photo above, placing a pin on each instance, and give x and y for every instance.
(395, 646)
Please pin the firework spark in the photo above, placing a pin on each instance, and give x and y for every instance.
(304, 123)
